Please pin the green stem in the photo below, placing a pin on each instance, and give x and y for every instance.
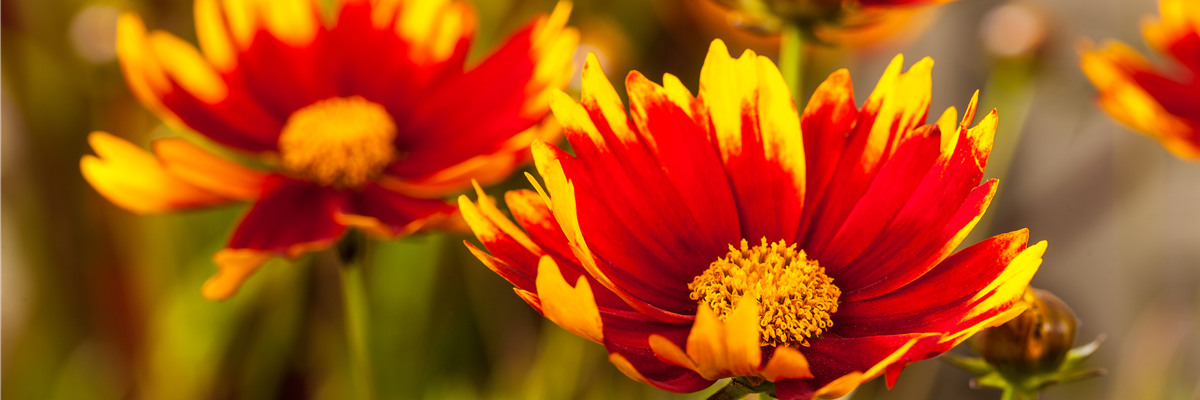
(736, 389)
(357, 315)
(791, 61)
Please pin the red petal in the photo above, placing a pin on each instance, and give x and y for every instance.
(396, 211)
(628, 334)
(932, 223)
(827, 120)
(636, 221)
(517, 262)
(291, 218)
(832, 358)
(888, 194)
(899, 104)
(376, 63)
(476, 112)
(687, 159)
(937, 301)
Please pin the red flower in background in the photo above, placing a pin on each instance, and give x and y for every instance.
(364, 121)
(708, 238)
(1164, 105)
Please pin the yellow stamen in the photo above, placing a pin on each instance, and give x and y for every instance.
(344, 142)
(796, 297)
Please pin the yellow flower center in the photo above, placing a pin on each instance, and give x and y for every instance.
(344, 142)
(795, 296)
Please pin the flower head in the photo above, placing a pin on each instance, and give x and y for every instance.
(1162, 104)
(838, 21)
(363, 122)
(705, 237)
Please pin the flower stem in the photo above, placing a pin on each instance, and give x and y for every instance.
(791, 61)
(736, 389)
(357, 316)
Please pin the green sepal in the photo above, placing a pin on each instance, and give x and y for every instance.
(1027, 386)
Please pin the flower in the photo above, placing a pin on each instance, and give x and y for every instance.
(853, 22)
(1162, 104)
(705, 237)
(364, 122)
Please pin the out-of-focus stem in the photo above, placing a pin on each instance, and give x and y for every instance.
(791, 61)
(357, 315)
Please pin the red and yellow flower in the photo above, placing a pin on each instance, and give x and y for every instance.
(364, 122)
(1162, 104)
(704, 237)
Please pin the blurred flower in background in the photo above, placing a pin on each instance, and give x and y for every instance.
(1161, 103)
(362, 123)
(857, 221)
(848, 22)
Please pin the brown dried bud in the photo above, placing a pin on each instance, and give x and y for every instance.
(1035, 342)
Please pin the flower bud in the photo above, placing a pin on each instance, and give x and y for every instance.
(1035, 342)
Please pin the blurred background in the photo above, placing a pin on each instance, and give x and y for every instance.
(100, 304)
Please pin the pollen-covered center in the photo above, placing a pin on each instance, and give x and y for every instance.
(795, 296)
(344, 142)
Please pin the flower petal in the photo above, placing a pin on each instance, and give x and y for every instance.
(934, 221)
(292, 218)
(755, 126)
(1132, 92)
(203, 169)
(134, 180)
(652, 262)
(842, 364)
(829, 115)
(234, 266)
(172, 79)
(890, 116)
(514, 255)
(688, 160)
(718, 349)
(573, 308)
(389, 214)
(485, 169)
(477, 112)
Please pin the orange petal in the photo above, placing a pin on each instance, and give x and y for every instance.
(573, 308)
(206, 170)
(213, 35)
(599, 96)
(553, 46)
(721, 349)
(489, 223)
(234, 266)
(786, 363)
(727, 88)
(141, 67)
(779, 123)
(134, 180)
(184, 64)
(293, 22)
(244, 18)
(434, 28)
(901, 103)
